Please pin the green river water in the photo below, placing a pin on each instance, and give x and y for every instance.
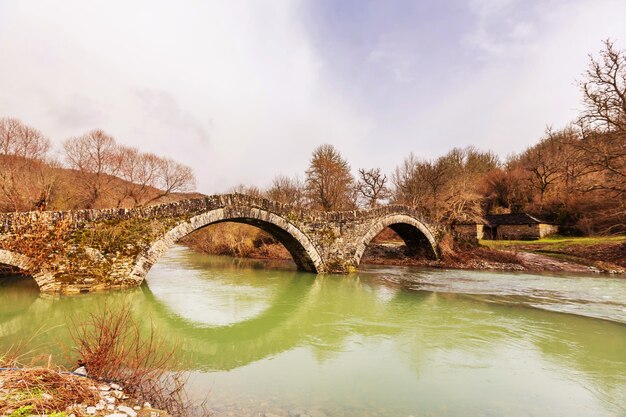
(388, 341)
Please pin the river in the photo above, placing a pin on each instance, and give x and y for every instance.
(388, 341)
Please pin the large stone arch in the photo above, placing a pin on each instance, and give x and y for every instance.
(45, 280)
(305, 254)
(415, 234)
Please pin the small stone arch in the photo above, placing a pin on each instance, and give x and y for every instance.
(44, 279)
(303, 251)
(415, 234)
(16, 260)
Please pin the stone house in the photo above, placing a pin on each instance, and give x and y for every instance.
(514, 226)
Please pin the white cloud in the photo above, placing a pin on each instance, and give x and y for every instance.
(522, 79)
(239, 91)
(233, 89)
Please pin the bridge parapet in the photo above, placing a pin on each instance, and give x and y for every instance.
(109, 248)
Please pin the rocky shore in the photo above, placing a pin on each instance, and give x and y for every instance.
(483, 258)
(48, 392)
(471, 258)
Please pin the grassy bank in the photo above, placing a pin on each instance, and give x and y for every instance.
(604, 252)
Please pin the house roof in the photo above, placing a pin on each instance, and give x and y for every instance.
(512, 219)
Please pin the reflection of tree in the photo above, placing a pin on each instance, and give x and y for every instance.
(227, 263)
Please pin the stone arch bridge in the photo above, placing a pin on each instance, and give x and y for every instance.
(84, 250)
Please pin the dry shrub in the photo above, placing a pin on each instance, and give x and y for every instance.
(460, 253)
(272, 251)
(230, 239)
(236, 239)
(112, 347)
(43, 391)
(447, 246)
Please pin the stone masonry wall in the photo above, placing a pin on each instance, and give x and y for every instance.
(114, 248)
(520, 232)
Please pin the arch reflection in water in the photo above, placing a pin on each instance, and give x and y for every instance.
(17, 295)
(351, 345)
(298, 309)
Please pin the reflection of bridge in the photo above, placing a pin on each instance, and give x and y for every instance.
(89, 249)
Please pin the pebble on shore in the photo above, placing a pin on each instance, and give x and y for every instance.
(109, 399)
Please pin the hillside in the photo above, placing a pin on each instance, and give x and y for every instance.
(30, 184)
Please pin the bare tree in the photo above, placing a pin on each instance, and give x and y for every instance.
(149, 178)
(407, 187)
(139, 172)
(506, 188)
(96, 158)
(251, 190)
(434, 176)
(419, 183)
(172, 177)
(329, 183)
(542, 163)
(445, 189)
(604, 90)
(571, 161)
(9, 129)
(372, 186)
(27, 177)
(602, 124)
(287, 190)
(477, 162)
(20, 140)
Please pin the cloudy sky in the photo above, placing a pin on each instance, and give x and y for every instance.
(244, 90)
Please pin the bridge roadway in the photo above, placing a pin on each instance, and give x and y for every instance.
(85, 250)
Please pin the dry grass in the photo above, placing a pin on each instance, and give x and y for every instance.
(25, 353)
(238, 240)
(483, 254)
(44, 391)
(32, 385)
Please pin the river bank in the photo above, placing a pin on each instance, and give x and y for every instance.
(46, 391)
(486, 258)
(123, 368)
(566, 255)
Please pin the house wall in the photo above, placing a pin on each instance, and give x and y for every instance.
(547, 229)
(505, 231)
(480, 231)
(518, 231)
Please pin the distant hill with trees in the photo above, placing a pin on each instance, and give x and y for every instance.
(94, 171)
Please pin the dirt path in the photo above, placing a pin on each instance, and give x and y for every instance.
(537, 262)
